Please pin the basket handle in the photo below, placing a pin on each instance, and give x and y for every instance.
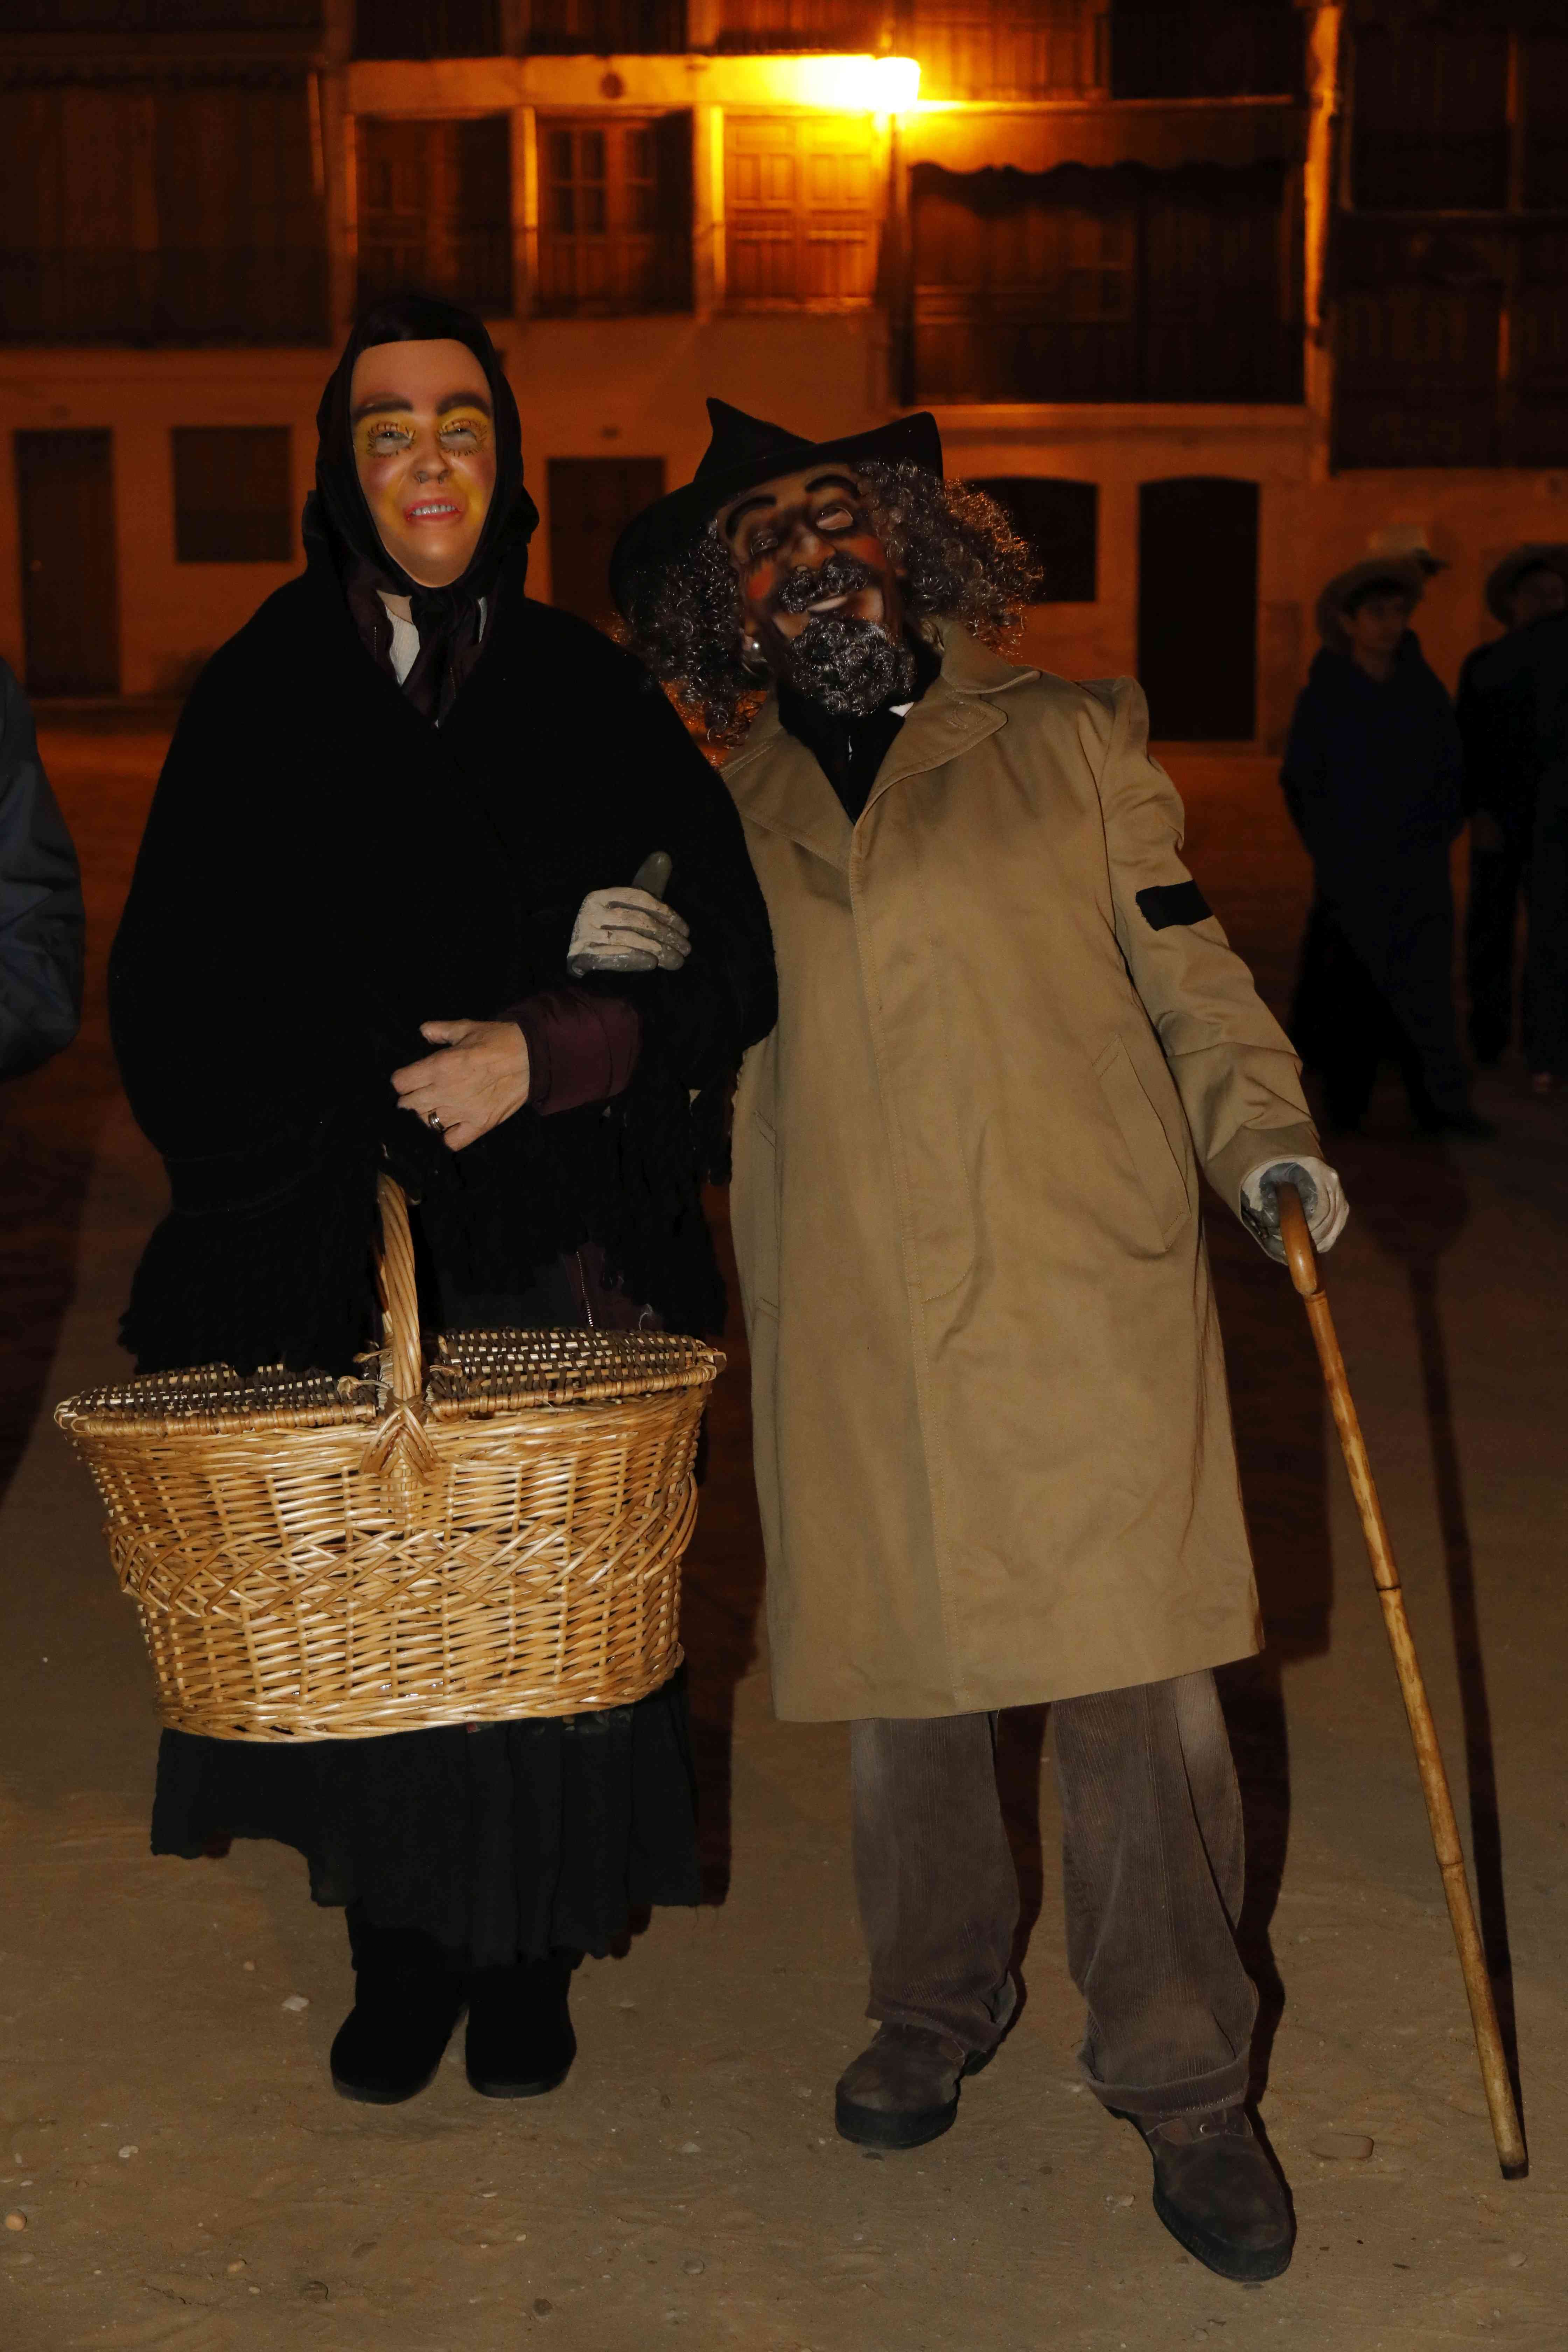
(400, 1453)
(399, 1293)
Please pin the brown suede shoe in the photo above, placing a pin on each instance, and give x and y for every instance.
(903, 2090)
(1218, 2194)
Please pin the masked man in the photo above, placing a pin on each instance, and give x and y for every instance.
(993, 1449)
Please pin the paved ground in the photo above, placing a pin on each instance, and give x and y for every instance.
(187, 2179)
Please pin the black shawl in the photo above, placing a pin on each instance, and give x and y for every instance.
(322, 870)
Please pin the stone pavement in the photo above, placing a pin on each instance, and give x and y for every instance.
(187, 2178)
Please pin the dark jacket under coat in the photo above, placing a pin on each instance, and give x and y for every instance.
(41, 921)
(322, 870)
(1512, 713)
(1373, 778)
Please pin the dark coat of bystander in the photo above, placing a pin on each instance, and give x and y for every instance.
(41, 921)
(1373, 778)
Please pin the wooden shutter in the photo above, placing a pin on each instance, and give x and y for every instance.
(1545, 77)
(1084, 284)
(800, 209)
(1430, 122)
(849, 26)
(1025, 285)
(232, 498)
(1539, 426)
(1206, 48)
(426, 29)
(987, 48)
(1416, 379)
(434, 209)
(615, 234)
(241, 239)
(1223, 320)
(590, 501)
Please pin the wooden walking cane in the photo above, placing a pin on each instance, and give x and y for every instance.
(1303, 1263)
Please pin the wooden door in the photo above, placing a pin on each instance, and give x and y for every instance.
(70, 601)
(1197, 608)
(591, 499)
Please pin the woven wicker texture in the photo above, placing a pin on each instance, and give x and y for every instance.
(314, 1558)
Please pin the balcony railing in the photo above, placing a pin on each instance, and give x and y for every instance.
(1209, 48)
(589, 277)
(996, 347)
(1043, 50)
(161, 16)
(601, 28)
(751, 25)
(179, 295)
(472, 267)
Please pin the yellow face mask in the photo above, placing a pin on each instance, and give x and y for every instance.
(425, 453)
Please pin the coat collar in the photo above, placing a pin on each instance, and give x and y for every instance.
(777, 783)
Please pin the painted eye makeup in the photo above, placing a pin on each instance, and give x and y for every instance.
(379, 437)
(385, 437)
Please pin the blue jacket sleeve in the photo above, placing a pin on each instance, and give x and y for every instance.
(41, 918)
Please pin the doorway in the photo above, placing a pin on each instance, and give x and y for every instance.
(70, 597)
(1197, 608)
(591, 499)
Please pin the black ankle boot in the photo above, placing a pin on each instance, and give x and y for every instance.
(521, 2042)
(407, 1998)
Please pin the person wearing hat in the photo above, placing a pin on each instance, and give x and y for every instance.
(993, 1449)
(1372, 777)
(380, 919)
(1505, 693)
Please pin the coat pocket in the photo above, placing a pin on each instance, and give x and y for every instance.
(1148, 1146)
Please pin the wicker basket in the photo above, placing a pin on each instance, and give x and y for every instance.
(314, 1558)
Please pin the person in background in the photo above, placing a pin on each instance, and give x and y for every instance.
(1505, 709)
(384, 915)
(41, 918)
(1372, 777)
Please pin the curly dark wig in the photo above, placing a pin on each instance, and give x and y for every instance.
(953, 548)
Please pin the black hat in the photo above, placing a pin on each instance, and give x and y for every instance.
(1536, 555)
(744, 451)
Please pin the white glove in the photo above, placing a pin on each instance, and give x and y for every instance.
(626, 930)
(1322, 1199)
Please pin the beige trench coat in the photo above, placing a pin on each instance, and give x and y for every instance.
(994, 1451)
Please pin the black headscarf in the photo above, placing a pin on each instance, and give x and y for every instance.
(338, 521)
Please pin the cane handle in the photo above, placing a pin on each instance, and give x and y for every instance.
(1300, 1254)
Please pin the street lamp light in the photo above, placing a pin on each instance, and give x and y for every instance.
(895, 85)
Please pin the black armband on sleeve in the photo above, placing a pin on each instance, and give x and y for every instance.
(1173, 902)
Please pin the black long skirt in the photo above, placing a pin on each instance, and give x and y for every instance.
(501, 1843)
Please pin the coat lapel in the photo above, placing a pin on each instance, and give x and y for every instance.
(777, 783)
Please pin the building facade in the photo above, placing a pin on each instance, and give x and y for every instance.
(1217, 297)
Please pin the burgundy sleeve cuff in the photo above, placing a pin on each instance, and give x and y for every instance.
(582, 1049)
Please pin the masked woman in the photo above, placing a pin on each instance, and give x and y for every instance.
(380, 916)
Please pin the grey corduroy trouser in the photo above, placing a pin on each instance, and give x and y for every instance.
(1152, 1868)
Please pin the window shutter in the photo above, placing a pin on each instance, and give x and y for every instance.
(800, 213)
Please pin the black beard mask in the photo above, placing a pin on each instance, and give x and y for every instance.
(850, 667)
